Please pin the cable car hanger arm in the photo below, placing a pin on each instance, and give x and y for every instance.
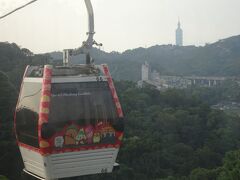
(86, 45)
(89, 43)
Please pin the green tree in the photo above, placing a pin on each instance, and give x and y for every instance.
(231, 166)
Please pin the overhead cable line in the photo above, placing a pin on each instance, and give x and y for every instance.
(23, 6)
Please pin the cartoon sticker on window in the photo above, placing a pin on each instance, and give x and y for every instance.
(81, 137)
(89, 134)
(71, 134)
(107, 135)
(75, 135)
(96, 137)
(58, 142)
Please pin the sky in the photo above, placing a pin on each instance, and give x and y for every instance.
(53, 25)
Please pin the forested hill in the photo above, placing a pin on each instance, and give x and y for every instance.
(172, 135)
(168, 135)
(14, 59)
(218, 59)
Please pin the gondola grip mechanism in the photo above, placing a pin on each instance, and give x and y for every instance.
(86, 45)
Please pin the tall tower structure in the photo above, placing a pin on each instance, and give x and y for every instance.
(179, 35)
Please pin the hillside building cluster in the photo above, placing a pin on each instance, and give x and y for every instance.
(163, 82)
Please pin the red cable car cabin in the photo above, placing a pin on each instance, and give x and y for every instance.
(68, 121)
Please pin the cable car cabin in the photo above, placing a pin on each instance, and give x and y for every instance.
(68, 121)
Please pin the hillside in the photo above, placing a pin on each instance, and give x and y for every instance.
(14, 59)
(218, 59)
(168, 135)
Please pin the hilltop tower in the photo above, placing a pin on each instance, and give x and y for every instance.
(179, 35)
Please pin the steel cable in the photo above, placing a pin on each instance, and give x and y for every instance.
(23, 6)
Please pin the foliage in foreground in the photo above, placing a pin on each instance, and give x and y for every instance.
(168, 135)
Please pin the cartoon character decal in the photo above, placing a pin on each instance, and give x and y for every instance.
(73, 135)
(89, 130)
(107, 135)
(58, 142)
(96, 137)
(70, 135)
(81, 137)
